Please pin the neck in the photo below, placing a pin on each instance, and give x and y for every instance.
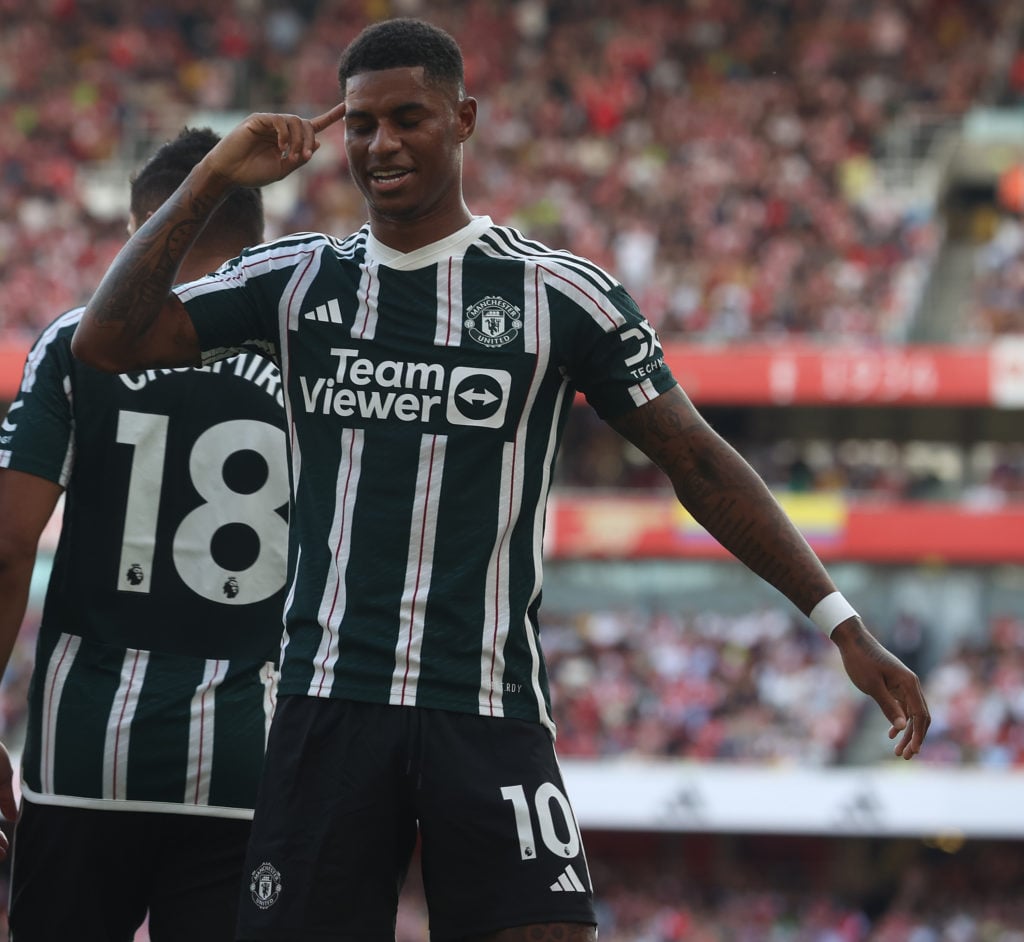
(404, 235)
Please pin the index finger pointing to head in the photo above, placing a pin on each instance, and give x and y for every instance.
(325, 120)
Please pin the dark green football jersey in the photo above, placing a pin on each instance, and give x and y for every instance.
(426, 396)
(156, 660)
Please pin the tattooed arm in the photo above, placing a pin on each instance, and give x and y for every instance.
(134, 321)
(727, 497)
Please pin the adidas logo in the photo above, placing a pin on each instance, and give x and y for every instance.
(568, 882)
(331, 311)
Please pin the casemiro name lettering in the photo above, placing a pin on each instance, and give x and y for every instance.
(248, 366)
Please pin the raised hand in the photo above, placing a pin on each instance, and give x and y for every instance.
(267, 147)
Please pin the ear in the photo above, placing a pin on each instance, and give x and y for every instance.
(134, 223)
(465, 115)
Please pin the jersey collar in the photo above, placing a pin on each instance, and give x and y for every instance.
(455, 244)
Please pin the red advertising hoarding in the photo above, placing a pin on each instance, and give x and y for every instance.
(625, 527)
(990, 375)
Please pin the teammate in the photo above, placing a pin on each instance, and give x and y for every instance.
(429, 362)
(155, 666)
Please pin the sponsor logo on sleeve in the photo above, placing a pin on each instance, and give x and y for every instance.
(646, 355)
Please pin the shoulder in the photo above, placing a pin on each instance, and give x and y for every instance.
(291, 251)
(577, 289)
(305, 242)
(555, 265)
(61, 327)
(55, 338)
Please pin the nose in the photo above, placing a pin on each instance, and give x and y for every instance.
(385, 140)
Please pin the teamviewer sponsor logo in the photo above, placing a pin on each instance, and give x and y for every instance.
(365, 390)
(478, 397)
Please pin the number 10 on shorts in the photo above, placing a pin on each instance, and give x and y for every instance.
(547, 795)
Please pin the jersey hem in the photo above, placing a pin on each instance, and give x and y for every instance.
(154, 807)
(286, 690)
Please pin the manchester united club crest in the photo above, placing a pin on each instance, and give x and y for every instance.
(265, 886)
(494, 322)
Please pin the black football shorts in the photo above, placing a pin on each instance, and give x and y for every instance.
(348, 789)
(92, 875)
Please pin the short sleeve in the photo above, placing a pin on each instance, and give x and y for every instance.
(612, 353)
(229, 308)
(37, 434)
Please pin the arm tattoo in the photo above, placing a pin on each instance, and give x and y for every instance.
(726, 496)
(140, 278)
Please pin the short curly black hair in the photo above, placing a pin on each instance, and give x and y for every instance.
(405, 42)
(241, 213)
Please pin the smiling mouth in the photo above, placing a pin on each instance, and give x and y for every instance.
(388, 178)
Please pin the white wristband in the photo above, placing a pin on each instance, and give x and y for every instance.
(831, 612)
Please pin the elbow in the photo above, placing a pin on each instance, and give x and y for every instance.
(94, 352)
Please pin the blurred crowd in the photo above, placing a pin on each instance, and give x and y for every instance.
(997, 293)
(703, 888)
(791, 892)
(723, 159)
(764, 687)
(976, 695)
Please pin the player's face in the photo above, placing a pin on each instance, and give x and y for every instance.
(404, 140)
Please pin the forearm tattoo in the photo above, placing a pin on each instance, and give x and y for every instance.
(140, 278)
(726, 496)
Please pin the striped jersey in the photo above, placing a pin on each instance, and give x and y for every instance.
(426, 395)
(155, 671)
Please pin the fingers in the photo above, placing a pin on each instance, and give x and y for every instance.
(911, 722)
(325, 120)
(910, 743)
(296, 137)
(913, 729)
